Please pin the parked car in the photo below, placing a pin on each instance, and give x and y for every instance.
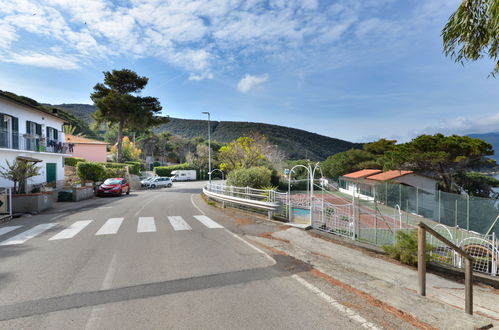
(160, 181)
(114, 186)
(144, 182)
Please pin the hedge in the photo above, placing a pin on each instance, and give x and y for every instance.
(72, 161)
(167, 170)
(91, 171)
(254, 177)
(134, 167)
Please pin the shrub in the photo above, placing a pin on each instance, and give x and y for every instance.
(406, 248)
(90, 171)
(297, 185)
(167, 170)
(72, 161)
(115, 172)
(254, 177)
(134, 167)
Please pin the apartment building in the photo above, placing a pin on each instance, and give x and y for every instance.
(28, 132)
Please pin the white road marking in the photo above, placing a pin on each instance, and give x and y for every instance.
(178, 223)
(207, 221)
(28, 234)
(110, 227)
(59, 216)
(147, 203)
(111, 270)
(239, 238)
(252, 246)
(8, 229)
(192, 201)
(351, 314)
(71, 231)
(146, 225)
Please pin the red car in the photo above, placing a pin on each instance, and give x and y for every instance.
(114, 186)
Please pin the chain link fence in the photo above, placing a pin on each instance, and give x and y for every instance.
(454, 210)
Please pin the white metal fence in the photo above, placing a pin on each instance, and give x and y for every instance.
(362, 222)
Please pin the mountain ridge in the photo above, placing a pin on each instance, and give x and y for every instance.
(296, 143)
(492, 138)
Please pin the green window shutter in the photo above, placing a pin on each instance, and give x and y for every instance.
(15, 124)
(15, 133)
(38, 129)
(56, 134)
(28, 127)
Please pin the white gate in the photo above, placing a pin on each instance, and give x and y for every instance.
(338, 219)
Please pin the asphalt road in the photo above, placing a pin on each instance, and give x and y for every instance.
(150, 260)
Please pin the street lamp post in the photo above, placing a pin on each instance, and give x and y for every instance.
(209, 146)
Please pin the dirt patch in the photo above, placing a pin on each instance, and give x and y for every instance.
(268, 235)
(373, 301)
(273, 250)
(243, 221)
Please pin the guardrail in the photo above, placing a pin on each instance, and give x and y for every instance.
(267, 200)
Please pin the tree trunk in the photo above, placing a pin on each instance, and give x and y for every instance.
(120, 141)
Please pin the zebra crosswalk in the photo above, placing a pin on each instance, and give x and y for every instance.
(110, 227)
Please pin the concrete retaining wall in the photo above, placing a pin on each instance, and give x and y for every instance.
(32, 202)
(82, 193)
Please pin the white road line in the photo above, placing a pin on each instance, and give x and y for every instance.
(351, 314)
(72, 230)
(178, 223)
(252, 246)
(8, 229)
(146, 225)
(28, 234)
(110, 227)
(207, 221)
(147, 203)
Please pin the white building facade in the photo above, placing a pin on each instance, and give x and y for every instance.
(28, 132)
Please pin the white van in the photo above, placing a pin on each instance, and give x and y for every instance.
(184, 175)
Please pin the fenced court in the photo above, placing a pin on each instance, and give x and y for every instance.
(368, 221)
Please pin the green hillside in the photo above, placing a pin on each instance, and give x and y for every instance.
(296, 143)
(492, 138)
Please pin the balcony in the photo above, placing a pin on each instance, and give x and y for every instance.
(10, 140)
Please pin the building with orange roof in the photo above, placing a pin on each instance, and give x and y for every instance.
(363, 183)
(89, 149)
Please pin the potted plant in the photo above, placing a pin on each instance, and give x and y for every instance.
(19, 172)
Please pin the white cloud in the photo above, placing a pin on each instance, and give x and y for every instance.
(249, 82)
(465, 125)
(196, 36)
(43, 60)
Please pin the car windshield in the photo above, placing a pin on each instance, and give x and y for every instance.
(112, 181)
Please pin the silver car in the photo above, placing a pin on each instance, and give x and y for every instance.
(159, 182)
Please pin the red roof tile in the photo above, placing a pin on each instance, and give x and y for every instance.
(361, 174)
(388, 175)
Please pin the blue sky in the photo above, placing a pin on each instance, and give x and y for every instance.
(356, 70)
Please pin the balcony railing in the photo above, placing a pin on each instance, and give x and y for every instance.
(18, 141)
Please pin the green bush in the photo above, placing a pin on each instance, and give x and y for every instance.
(115, 172)
(254, 177)
(72, 161)
(113, 165)
(406, 248)
(90, 171)
(134, 167)
(167, 170)
(300, 185)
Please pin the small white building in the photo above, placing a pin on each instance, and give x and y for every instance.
(31, 133)
(363, 183)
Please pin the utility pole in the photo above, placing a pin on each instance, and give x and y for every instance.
(209, 146)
